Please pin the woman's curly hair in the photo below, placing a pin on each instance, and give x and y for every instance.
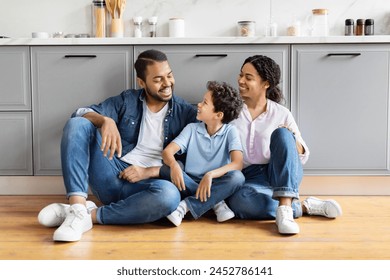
(269, 71)
(226, 99)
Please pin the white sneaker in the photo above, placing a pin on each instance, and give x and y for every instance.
(177, 216)
(285, 220)
(54, 214)
(327, 208)
(78, 220)
(223, 212)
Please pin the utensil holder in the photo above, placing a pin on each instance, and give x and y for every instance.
(117, 27)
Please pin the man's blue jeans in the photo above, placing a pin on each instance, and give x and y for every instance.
(264, 183)
(84, 165)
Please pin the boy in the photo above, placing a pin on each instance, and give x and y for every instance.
(214, 156)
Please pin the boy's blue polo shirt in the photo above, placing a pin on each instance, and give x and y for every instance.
(205, 153)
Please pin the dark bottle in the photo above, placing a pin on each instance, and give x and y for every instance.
(349, 27)
(369, 27)
(360, 27)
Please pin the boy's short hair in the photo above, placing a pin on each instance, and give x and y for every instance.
(226, 99)
(146, 58)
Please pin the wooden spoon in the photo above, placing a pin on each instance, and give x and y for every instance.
(121, 7)
(108, 6)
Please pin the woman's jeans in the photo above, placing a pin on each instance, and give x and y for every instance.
(265, 183)
(221, 188)
(84, 165)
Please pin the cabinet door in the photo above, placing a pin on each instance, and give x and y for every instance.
(341, 102)
(15, 143)
(194, 65)
(64, 79)
(15, 93)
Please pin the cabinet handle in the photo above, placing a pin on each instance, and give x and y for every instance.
(80, 56)
(344, 54)
(211, 55)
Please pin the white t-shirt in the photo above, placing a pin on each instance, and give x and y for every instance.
(150, 143)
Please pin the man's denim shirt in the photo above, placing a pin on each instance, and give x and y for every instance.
(126, 110)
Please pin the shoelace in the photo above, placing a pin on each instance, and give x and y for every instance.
(72, 215)
(285, 214)
(317, 209)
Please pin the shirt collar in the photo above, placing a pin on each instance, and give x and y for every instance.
(202, 130)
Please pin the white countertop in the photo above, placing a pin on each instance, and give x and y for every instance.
(193, 41)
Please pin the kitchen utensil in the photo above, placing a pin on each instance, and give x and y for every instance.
(110, 4)
(121, 7)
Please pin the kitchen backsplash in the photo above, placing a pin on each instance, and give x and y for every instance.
(203, 18)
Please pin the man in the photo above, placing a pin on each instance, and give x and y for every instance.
(137, 123)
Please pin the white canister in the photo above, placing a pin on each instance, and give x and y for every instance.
(176, 27)
(319, 21)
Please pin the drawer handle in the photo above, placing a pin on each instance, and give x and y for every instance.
(344, 54)
(211, 55)
(80, 56)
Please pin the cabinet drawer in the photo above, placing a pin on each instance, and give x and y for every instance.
(194, 65)
(15, 93)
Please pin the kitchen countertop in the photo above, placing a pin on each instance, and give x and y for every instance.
(194, 40)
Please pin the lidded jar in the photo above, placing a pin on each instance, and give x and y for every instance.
(369, 27)
(360, 27)
(349, 27)
(320, 22)
(99, 18)
(246, 28)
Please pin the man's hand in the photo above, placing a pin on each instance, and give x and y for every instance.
(111, 139)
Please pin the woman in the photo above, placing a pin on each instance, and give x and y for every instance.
(274, 152)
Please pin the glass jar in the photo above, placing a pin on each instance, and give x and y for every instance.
(360, 27)
(99, 19)
(137, 27)
(246, 28)
(319, 20)
(153, 27)
(349, 27)
(369, 27)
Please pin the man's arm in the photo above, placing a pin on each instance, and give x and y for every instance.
(111, 139)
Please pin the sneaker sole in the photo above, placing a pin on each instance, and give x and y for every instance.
(337, 208)
(225, 218)
(173, 220)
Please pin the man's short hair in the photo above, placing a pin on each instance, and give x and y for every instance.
(146, 58)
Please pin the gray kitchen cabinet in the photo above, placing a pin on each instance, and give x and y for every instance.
(15, 90)
(194, 65)
(15, 143)
(65, 78)
(15, 111)
(340, 98)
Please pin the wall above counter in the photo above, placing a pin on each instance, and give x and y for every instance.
(202, 18)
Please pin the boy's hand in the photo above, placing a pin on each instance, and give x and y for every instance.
(204, 189)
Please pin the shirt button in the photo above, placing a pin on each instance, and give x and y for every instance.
(132, 122)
